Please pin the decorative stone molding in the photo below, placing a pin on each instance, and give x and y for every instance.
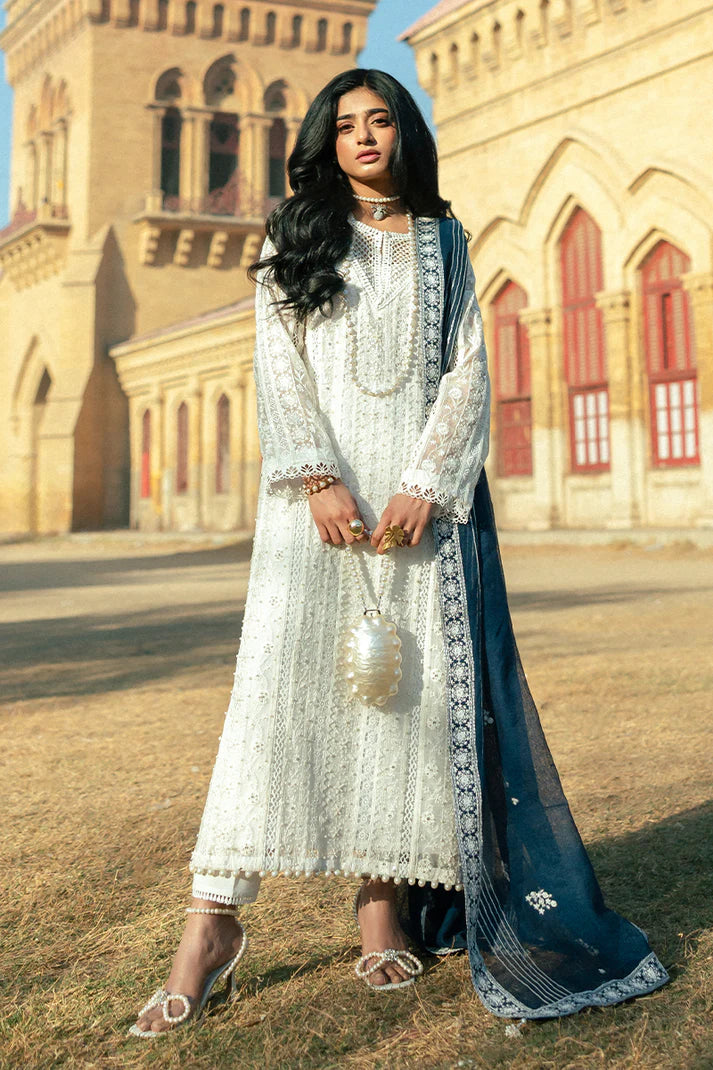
(615, 306)
(699, 286)
(184, 246)
(538, 322)
(34, 252)
(251, 249)
(217, 247)
(148, 243)
(32, 32)
(180, 229)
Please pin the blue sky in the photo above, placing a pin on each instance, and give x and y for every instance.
(387, 22)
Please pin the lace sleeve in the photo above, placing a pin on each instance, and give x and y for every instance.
(293, 439)
(450, 454)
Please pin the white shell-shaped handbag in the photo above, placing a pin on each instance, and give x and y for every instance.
(373, 659)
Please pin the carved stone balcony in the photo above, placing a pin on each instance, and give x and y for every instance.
(33, 246)
(219, 230)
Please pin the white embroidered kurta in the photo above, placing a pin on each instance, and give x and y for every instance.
(307, 779)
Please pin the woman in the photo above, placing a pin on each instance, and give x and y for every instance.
(373, 413)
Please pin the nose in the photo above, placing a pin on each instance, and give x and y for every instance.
(365, 134)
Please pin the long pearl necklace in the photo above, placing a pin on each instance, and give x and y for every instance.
(378, 211)
(410, 343)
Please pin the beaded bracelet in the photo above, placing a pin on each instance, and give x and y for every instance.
(313, 484)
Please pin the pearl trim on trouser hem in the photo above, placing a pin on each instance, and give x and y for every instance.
(215, 884)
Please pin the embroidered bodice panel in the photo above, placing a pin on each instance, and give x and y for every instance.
(307, 778)
(308, 405)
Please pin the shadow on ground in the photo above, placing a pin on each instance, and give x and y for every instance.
(103, 571)
(92, 654)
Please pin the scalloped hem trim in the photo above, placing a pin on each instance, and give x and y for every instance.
(247, 874)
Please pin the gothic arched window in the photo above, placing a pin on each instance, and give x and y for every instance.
(170, 157)
(244, 33)
(583, 334)
(218, 18)
(512, 383)
(275, 101)
(222, 439)
(190, 17)
(223, 164)
(670, 358)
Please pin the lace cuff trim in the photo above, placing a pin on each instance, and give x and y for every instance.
(448, 506)
(287, 480)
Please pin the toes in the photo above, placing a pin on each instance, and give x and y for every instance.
(395, 975)
(378, 978)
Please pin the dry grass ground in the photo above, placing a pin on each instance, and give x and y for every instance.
(119, 659)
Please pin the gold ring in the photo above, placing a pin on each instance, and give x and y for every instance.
(393, 536)
(356, 526)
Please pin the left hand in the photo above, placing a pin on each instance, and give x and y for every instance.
(411, 514)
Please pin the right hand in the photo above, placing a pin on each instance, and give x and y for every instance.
(332, 509)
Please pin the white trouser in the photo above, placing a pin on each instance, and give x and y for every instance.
(233, 891)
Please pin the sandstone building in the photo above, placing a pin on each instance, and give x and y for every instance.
(574, 142)
(149, 141)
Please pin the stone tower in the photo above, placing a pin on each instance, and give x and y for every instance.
(149, 140)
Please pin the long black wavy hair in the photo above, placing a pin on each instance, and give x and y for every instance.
(311, 230)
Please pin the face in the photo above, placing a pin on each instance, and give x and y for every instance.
(366, 137)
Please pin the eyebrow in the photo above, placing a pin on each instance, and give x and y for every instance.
(370, 111)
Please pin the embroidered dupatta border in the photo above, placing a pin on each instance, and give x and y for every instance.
(461, 600)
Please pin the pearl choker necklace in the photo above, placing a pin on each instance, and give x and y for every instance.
(378, 211)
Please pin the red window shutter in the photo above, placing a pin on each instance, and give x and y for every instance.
(512, 362)
(146, 454)
(670, 358)
(583, 335)
(182, 449)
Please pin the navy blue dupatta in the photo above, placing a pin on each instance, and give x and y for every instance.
(540, 940)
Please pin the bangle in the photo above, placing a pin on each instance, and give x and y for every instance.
(313, 484)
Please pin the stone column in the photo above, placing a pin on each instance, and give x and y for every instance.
(546, 424)
(156, 121)
(195, 159)
(253, 163)
(44, 188)
(699, 286)
(59, 168)
(625, 503)
(292, 129)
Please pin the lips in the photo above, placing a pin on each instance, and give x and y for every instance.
(369, 157)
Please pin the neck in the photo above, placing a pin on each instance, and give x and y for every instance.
(380, 187)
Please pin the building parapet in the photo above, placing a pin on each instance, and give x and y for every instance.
(484, 49)
(36, 27)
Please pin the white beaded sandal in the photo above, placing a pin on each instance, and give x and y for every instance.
(192, 1009)
(405, 961)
